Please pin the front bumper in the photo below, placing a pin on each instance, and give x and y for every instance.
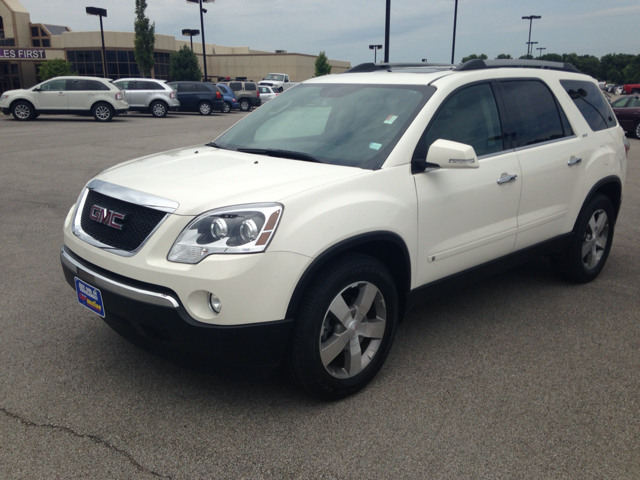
(6, 111)
(153, 318)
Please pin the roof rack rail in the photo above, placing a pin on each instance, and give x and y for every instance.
(375, 67)
(478, 64)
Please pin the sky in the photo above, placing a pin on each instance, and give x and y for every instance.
(344, 29)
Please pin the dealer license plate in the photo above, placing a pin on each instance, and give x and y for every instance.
(89, 297)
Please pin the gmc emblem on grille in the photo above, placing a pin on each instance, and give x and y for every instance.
(107, 217)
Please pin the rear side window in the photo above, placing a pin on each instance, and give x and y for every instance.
(186, 87)
(202, 89)
(534, 113)
(591, 103)
(250, 86)
(223, 89)
(96, 85)
(469, 116)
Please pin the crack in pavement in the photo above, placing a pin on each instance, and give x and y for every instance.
(94, 438)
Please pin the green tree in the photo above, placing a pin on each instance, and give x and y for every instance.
(504, 56)
(590, 65)
(55, 68)
(552, 57)
(631, 72)
(322, 65)
(144, 40)
(184, 65)
(473, 56)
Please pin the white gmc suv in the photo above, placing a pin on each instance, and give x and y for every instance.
(303, 234)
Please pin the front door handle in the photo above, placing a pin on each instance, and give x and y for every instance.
(574, 161)
(506, 178)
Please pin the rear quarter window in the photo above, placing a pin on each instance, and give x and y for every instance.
(591, 103)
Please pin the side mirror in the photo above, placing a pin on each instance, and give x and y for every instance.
(37, 89)
(447, 154)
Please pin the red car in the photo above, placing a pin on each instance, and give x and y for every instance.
(631, 88)
(627, 110)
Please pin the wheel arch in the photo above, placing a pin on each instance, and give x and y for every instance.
(387, 247)
(611, 187)
(13, 102)
(100, 102)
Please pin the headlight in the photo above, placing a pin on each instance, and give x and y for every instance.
(239, 229)
(3, 97)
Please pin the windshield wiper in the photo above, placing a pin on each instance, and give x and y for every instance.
(215, 145)
(274, 152)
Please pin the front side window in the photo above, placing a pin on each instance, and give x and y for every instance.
(469, 116)
(55, 85)
(534, 113)
(591, 103)
(340, 124)
(186, 88)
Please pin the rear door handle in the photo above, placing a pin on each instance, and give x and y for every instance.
(505, 178)
(574, 161)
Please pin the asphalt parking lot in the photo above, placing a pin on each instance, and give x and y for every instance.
(521, 376)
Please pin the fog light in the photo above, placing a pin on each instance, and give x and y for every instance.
(215, 304)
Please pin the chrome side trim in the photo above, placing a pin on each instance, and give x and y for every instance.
(126, 195)
(107, 284)
(526, 147)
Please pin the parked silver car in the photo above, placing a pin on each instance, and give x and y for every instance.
(267, 93)
(149, 95)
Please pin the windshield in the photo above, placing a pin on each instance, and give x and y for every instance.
(341, 124)
(278, 78)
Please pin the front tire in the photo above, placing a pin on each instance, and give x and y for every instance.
(102, 112)
(158, 109)
(636, 131)
(245, 104)
(588, 251)
(345, 328)
(23, 111)
(205, 108)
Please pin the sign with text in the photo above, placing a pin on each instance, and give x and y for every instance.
(21, 54)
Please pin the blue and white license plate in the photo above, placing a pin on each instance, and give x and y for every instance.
(89, 297)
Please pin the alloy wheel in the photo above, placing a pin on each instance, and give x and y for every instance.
(595, 239)
(352, 330)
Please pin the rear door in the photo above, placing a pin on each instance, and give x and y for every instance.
(187, 96)
(550, 159)
(629, 116)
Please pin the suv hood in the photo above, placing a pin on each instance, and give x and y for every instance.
(202, 178)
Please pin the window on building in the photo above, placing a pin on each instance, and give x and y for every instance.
(35, 42)
(35, 32)
(1, 28)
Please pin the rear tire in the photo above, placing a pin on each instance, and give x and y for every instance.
(245, 104)
(205, 108)
(344, 329)
(636, 131)
(227, 107)
(586, 255)
(23, 111)
(158, 109)
(102, 112)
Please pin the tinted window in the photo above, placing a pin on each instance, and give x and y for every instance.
(591, 103)
(57, 85)
(621, 102)
(96, 85)
(202, 89)
(186, 87)
(235, 86)
(533, 112)
(470, 116)
(223, 88)
(250, 86)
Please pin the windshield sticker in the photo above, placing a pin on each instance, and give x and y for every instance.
(375, 146)
(390, 119)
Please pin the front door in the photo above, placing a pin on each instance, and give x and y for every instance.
(467, 217)
(52, 96)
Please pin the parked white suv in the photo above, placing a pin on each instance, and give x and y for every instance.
(303, 234)
(149, 95)
(66, 95)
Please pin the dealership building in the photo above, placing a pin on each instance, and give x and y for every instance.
(25, 45)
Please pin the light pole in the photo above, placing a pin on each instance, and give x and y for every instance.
(101, 12)
(387, 25)
(187, 32)
(375, 51)
(530, 47)
(455, 20)
(540, 51)
(531, 18)
(204, 51)
(424, 60)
